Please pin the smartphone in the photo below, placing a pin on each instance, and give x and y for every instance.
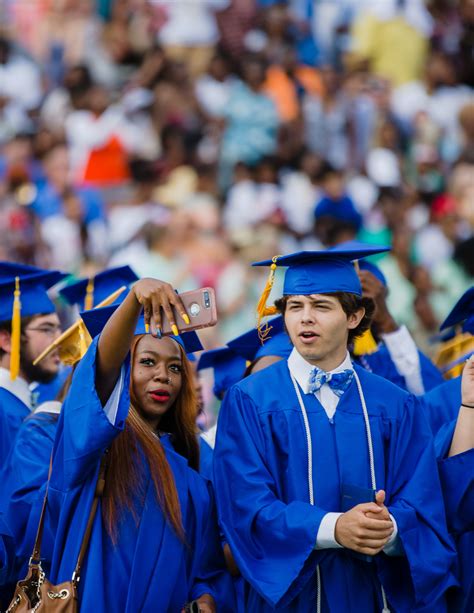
(200, 305)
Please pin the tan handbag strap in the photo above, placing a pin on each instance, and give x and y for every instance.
(99, 490)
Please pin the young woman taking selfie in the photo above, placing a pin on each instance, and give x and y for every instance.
(131, 407)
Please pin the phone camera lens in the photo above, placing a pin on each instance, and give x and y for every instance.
(194, 309)
(207, 300)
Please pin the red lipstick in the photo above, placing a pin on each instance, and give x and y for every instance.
(159, 395)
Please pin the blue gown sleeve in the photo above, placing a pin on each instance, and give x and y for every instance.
(414, 498)
(430, 374)
(6, 551)
(209, 572)
(228, 589)
(272, 542)
(23, 483)
(457, 481)
(12, 414)
(84, 430)
(26, 469)
(441, 404)
(205, 459)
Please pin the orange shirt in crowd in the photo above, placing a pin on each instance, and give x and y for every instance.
(107, 165)
(282, 89)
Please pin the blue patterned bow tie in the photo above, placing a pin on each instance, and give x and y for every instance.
(338, 382)
(34, 397)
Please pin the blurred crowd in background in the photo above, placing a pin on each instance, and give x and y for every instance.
(188, 138)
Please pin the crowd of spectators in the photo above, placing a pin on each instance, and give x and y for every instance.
(188, 138)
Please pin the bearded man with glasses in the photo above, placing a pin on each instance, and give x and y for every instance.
(25, 298)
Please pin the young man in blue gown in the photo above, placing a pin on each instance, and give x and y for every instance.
(39, 325)
(325, 474)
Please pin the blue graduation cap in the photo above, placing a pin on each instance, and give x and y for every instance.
(90, 292)
(33, 297)
(95, 320)
(319, 272)
(355, 245)
(342, 210)
(228, 368)
(374, 269)
(462, 313)
(25, 296)
(10, 270)
(277, 342)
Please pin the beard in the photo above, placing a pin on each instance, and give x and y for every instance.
(34, 373)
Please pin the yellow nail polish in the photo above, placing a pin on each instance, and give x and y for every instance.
(186, 319)
(147, 328)
(175, 330)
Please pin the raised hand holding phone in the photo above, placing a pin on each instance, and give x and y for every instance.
(158, 298)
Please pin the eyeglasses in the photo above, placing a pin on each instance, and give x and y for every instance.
(48, 329)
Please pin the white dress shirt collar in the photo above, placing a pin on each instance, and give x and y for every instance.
(301, 369)
(51, 406)
(19, 388)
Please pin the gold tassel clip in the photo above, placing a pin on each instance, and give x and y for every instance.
(262, 309)
(89, 299)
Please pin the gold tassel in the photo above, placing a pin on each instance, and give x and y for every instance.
(16, 332)
(262, 309)
(450, 352)
(365, 344)
(89, 299)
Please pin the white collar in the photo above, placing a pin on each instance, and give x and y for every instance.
(52, 406)
(210, 436)
(19, 388)
(301, 369)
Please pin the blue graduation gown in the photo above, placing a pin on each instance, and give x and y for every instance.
(150, 568)
(261, 484)
(22, 487)
(457, 480)
(5, 547)
(380, 363)
(49, 391)
(231, 589)
(12, 412)
(6, 555)
(205, 459)
(441, 404)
